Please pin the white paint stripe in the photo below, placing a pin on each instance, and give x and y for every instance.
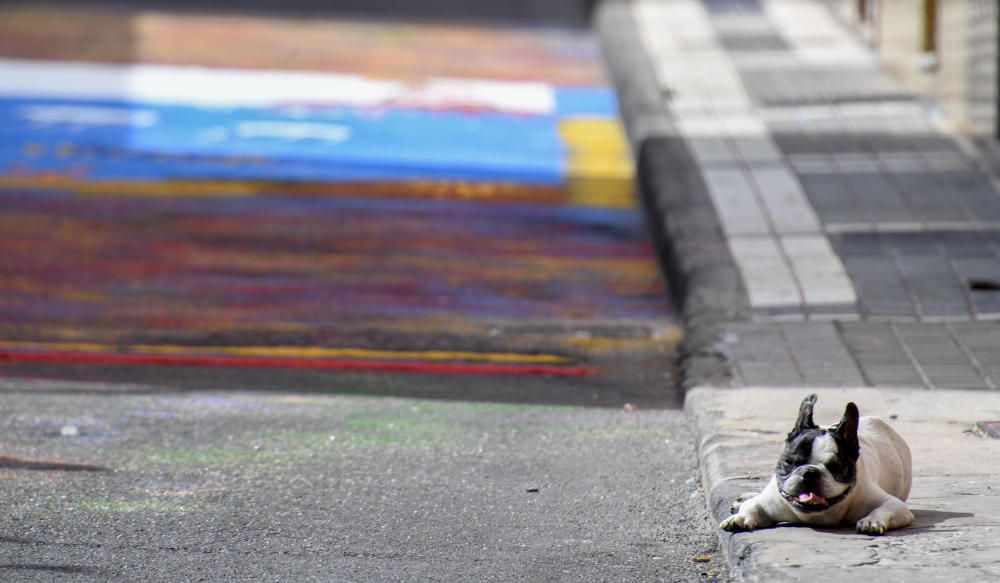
(819, 271)
(810, 25)
(199, 86)
(785, 200)
(707, 139)
(88, 115)
(769, 281)
(751, 138)
(734, 200)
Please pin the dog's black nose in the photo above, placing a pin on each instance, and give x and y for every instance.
(811, 474)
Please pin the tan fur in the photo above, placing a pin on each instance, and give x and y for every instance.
(875, 505)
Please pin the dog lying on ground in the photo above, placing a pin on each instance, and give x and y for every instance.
(857, 471)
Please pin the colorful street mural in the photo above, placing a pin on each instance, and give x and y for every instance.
(238, 191)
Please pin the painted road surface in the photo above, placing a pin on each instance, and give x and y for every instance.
(320, 216)
(209, 200)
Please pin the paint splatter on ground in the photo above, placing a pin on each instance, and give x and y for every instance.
(333, 197)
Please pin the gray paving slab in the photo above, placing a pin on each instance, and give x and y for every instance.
(792, 354)
(839, 353)
(795, 141)
(976, 194)
(833, 199)
(922, 274)
(936, 290)
(882, 358)
(754, 42)
(881, 290)
(928, 193)
(985, 303)
(942, 360)
(763, 357)
(822, 354)
(981, 343)
(883, 200)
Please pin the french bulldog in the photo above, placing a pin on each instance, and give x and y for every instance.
(856, 472)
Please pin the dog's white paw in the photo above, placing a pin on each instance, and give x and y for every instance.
(872, 526)
(738, 523)
(735, 506)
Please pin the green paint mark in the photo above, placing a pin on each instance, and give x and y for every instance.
(362, 430)
(420, 429)
(325, 427)
(210, 456)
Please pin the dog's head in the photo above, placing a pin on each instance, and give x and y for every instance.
(819, 466)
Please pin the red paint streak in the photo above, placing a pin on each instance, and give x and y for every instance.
(301, 364)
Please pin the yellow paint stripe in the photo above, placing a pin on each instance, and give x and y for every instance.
(600, 172)
(599, 345)
(207, 188)
(290, 352)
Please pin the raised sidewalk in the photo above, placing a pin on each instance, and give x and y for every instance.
(820, 229)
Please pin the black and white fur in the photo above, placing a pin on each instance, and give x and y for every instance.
(856, 472)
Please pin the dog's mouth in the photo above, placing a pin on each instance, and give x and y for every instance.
(813, 502)
(808, 501)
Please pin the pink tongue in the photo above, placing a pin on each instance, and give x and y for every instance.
(810, 498)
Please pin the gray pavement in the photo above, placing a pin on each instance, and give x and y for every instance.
(823, 229)
(241, 486)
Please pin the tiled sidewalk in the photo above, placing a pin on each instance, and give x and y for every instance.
(836, 192)
(865, 239)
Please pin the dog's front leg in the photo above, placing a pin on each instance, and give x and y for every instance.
(757, 512)
(889, 514)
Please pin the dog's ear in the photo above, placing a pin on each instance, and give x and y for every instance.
(846, 432)
(805, 420)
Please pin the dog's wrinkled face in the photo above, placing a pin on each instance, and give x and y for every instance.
(818, 467)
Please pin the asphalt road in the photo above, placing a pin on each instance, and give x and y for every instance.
(284, 487)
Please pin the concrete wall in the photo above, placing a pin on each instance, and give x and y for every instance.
(965, 79)
(899, 36)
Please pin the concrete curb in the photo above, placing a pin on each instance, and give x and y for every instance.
(686, 229)
(955, 497)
